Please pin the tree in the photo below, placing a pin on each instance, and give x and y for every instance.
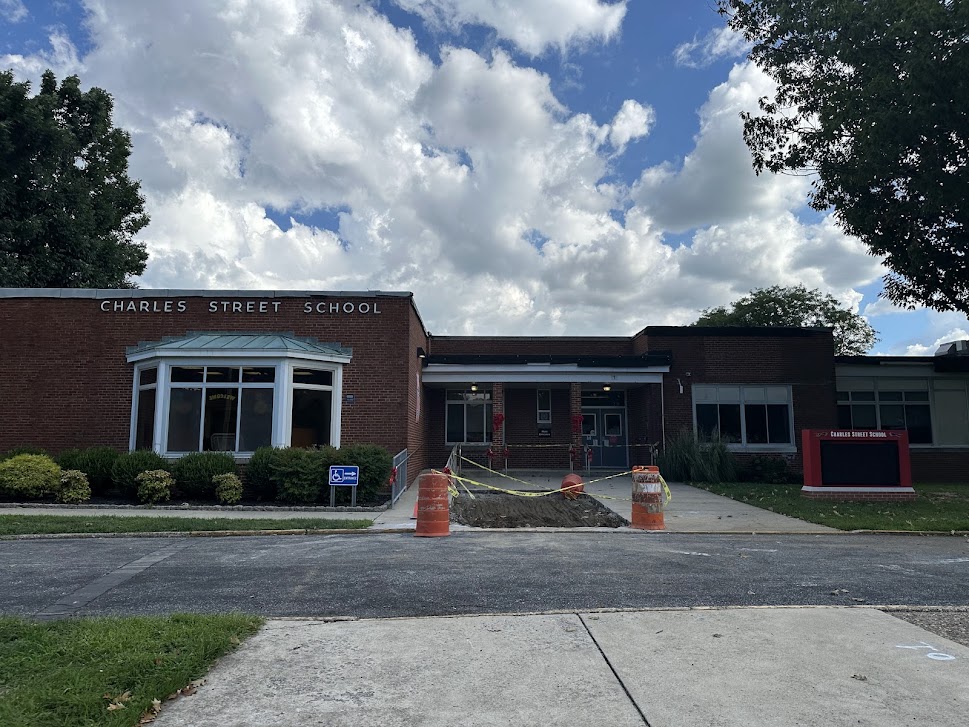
(873, 101)
(798, 307)
(68, 211)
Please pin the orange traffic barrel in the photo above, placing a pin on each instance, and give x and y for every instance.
(433, 515)
(647, 499)
(571, 486)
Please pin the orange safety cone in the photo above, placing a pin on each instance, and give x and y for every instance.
(572, 486)
(647, 499)
(433, 516)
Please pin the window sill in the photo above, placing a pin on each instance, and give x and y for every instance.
(763, 448)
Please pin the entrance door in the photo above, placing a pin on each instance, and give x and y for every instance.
(604, 430)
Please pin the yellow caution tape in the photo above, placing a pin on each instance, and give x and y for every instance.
(540, 493)
(495, 472)
(666, 490)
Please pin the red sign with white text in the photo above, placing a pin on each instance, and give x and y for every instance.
(856, 458)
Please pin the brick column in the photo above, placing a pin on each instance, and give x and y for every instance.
(575, 409)
(498, 407)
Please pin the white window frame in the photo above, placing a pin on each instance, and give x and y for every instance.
(894, 386)
(538, 406)
(335, 395)
(282, 395)
(136, 402)
(464, 416)
(741, 399)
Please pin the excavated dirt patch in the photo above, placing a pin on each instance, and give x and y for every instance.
(497, 510)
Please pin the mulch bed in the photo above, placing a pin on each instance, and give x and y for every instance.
(498, 510)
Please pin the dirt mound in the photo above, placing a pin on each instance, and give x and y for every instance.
(497, 510)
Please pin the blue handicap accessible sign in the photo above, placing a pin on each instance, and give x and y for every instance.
(346, 476)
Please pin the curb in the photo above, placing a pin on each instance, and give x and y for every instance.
(206, 534)
(459, 531)
(201, 508)
(885, 608)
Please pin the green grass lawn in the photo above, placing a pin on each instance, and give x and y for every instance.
(71, 672)
(940, 508)
(46, 524)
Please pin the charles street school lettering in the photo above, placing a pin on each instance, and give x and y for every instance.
(235, 306)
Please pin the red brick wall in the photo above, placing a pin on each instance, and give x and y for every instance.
(66, 382)
(417, 413)
(516, 345)
(940, 465)
(527, 449)
(805, 362)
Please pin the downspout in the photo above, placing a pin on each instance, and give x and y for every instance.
(662, 405)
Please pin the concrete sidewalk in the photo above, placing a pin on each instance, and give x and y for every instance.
(801, 667)
(691, 510)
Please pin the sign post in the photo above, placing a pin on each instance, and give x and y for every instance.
(344, 476)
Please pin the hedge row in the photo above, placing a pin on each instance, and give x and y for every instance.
(294, 476)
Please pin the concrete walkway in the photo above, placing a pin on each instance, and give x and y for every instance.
(691, 510)
(802, 667)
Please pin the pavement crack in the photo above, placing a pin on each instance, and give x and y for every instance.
(73, 602)
(613, 670)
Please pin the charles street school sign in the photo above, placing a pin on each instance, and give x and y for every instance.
(235, 306)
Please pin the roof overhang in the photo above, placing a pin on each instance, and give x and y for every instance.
(239, 346)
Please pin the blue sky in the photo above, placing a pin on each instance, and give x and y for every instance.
(545, 166)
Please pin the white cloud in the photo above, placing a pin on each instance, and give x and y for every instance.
(719, 43)
(956, 334)
(466, 181)
(633, 121)
(715, 183)
(884, 307)
(13, 11)
(61, 58)
(532, 25)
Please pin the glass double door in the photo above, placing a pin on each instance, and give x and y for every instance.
(604, 431)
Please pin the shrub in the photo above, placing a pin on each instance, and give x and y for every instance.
(74, 488)
(259, 473)
(194, 473)
(154, 486)
(770, 470)
(69, 459)
(297, 475)
(17, 451)
(29, 476)
(687, 459)
(228, 488)
(128, 465)
(98, 463)
(375, 464)
(95, 462)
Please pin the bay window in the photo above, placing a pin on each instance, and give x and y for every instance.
(197, 403)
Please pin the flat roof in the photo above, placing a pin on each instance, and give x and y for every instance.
(102, 293)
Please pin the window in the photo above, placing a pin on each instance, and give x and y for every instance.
(905, 409)
(236, 392)
(756, 417)
(312, 403)
(145, 421)
(544, 399)
(468, 417)
(220, 408)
